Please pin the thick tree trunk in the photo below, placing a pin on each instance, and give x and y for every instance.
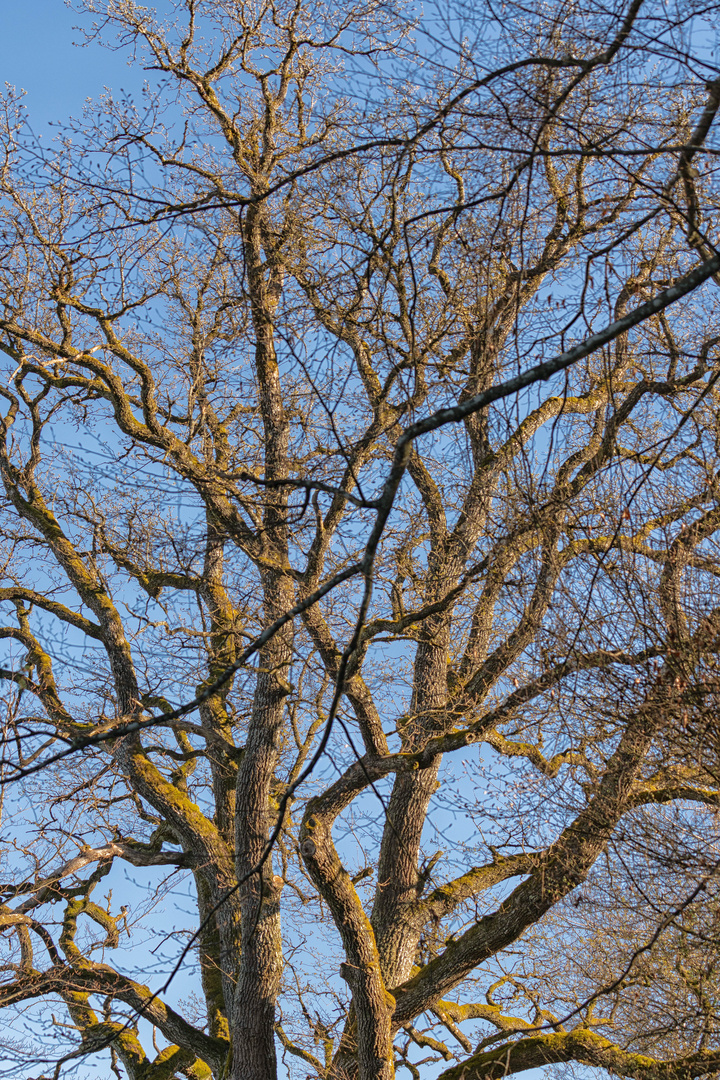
(399, 881)
(253, 1020)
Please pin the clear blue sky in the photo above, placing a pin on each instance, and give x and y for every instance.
(37, 54)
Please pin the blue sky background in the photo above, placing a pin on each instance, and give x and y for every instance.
(38, 55)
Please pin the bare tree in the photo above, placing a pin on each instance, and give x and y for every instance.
(360, 546)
